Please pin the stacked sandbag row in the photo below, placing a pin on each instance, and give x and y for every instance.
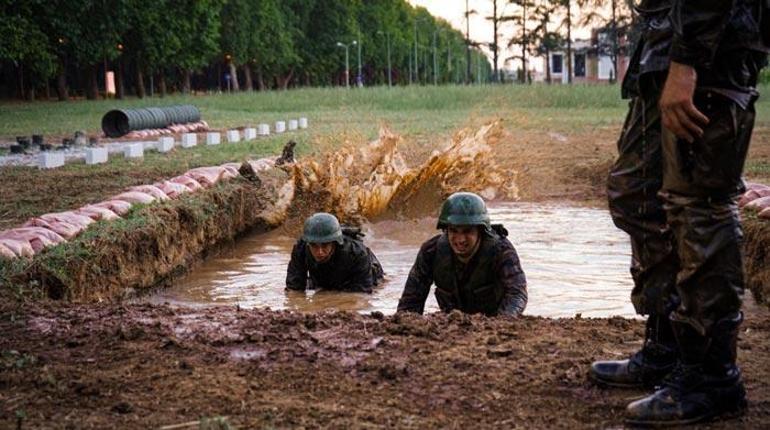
(757, 198)
(171, 129)
(51, 229)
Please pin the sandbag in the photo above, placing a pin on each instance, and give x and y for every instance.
(752, 195)
(19, 248)
(97, 213)
(135, 197)
(759, 204)
(172, 189)
(120, 207)
(5, 252)
(209, 176)
(187, 181)
(62, 228)
(38, 237)
(151, 190)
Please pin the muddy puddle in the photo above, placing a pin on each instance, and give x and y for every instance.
(576, 261)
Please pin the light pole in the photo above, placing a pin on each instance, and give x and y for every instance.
(387, 42)
(359, 78)
(435, 62)
(347, 64)
(416, 63)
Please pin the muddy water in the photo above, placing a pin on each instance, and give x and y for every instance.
(576, 261)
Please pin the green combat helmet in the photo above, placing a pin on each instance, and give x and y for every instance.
(322, 227)
(464, 209)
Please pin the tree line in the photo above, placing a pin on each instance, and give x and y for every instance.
(544, 26)
(63, 47)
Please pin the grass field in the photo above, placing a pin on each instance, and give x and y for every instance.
(586, 117)
(414, 109)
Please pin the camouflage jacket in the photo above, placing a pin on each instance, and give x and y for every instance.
(352, 267)
(507, 276)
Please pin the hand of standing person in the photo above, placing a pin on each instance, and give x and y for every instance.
(678, 113)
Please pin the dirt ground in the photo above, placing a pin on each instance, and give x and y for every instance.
(151, 366)
(144, 366)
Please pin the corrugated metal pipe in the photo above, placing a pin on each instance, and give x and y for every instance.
(119, 122)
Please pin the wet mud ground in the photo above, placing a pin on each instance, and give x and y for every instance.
(148, 366)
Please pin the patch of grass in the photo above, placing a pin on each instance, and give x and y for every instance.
(758, 168)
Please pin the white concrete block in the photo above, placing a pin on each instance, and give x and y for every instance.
(133, 150)
(96, 155)
(280, 126)
(165, 144)
(293, 124)
(51, 160)
(213, 138)
(249, 133)
(233, 136)
(264, 130)
(303, 122)
(189, 140)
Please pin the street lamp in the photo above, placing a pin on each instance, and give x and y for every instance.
(359, 78)
(416, 63)
(387, 41)
(347, 63)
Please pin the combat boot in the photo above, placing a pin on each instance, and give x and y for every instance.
(646, 367)
(704, 385)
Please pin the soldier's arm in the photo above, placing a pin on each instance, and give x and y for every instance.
(698, 29)
(360, 273)
(296, 273)
(419, 281)
(699, 26)
(513, 279)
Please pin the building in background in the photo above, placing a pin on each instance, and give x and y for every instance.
(591, 60)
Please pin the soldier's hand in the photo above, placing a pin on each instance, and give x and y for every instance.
(678, 113)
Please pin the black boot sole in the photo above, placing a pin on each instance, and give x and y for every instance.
(717, 415)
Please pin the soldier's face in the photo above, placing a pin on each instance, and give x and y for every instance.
(463, 239)
(321, 252)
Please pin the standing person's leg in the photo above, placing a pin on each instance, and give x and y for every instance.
(701, 182)
(633, 185)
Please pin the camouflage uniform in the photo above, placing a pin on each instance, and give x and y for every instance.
(353, 267)
(677, 202)
(491, 283)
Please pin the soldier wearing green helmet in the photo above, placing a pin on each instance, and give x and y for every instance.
(474, 266)
(331, 257)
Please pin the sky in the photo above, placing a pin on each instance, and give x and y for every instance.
(453, 11)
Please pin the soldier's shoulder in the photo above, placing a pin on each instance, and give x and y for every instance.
(353, 245)
(503, 244)
(429, 246)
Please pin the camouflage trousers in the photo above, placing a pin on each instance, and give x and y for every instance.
(676, 200)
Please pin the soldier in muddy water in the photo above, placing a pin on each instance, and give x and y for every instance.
(673, 187)
(331, 257)
(474, 266)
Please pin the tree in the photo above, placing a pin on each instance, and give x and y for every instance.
(618, 23)
(198, 26)
(95, 30)
(494, 46)
(545, 40)
(25, 45)
(522, 38)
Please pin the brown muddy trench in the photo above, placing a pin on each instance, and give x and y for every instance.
(576, 261)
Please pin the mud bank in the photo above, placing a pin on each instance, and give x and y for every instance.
(154, 243)
(757, 253)
(142, 366)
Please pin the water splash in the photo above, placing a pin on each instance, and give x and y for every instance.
(374, 180)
